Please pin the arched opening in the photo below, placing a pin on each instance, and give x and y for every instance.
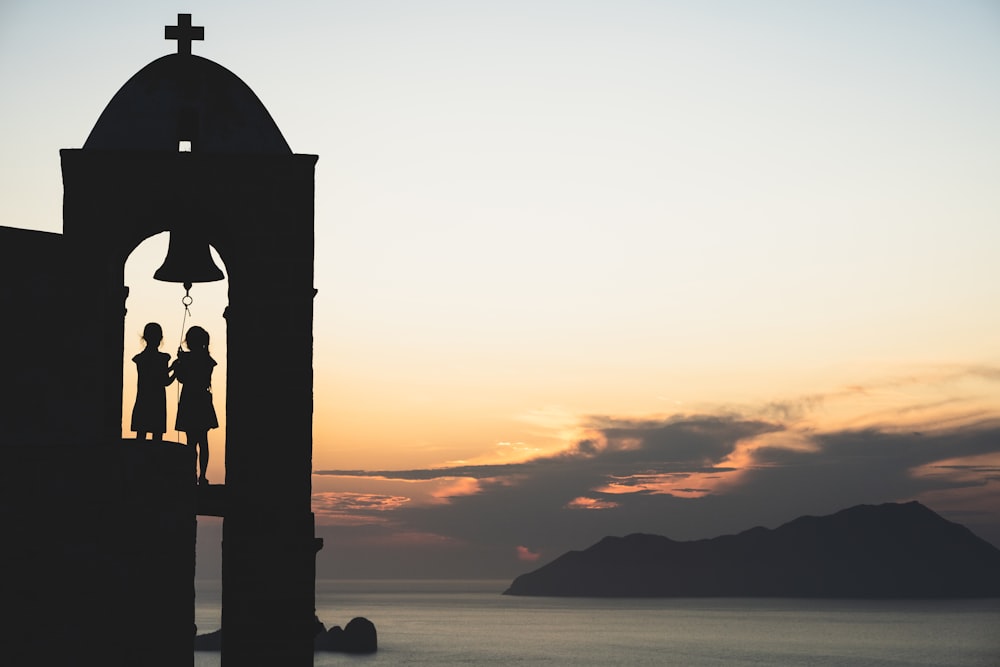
(151, 300)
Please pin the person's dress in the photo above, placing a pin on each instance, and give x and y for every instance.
(149, 415)
(195, 413)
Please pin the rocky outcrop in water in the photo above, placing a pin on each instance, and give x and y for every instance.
(358, 636)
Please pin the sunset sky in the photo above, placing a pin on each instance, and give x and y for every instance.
(591, 268)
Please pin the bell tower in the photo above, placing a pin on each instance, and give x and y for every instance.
(186, 147)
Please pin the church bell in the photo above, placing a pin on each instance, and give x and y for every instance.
(189, 260)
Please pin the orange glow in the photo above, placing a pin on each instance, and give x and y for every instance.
(456, 486)
(504, 453)
(527, 555)
(336, 496)
(585, 503)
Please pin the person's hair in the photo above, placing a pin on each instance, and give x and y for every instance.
(196, 339)
(152, 333)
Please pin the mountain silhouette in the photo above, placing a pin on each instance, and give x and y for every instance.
(884, 551)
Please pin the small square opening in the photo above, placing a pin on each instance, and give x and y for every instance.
(184, 146)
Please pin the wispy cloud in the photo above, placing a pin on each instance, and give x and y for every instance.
(349, 508)
(585, 503)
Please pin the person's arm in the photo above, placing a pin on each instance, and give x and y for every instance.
(175, 370)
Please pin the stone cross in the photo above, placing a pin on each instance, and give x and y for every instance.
(184, 33)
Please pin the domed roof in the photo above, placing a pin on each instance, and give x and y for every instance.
(183, 97)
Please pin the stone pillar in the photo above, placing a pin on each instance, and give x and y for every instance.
(269, 545)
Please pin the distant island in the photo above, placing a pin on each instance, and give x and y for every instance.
(868, 551)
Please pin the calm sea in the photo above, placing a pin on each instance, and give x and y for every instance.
(470, 623)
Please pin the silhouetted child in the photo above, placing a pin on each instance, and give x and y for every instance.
(195, 412)
(149, 415)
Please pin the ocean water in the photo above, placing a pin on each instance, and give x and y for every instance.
(471, 623)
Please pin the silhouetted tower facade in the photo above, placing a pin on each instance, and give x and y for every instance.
(186, 147)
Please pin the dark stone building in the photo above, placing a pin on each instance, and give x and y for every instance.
(99, 548)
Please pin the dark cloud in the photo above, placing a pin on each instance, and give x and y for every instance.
(553, 504)
(625, 447)
(863, 466)
(686, 442)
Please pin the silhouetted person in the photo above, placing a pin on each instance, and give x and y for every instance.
(149, 415)
(195, 412)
